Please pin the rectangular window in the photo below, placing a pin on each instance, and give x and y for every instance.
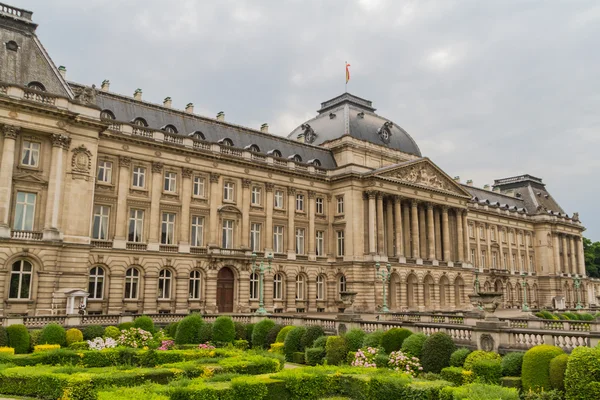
(278, 203)
(503, 235)
(198, 186)
(320, 243)
(139, 177)
(531, 268)
(521, 238)
(136, 225)
(514, 261)
(482, 258)
(511, 236)
(100, 223)
(320, 288)
(493, 233)
(473, 256)
(471, 231)
(197, 231)
(319, 205)
(522, 263)
(278, 239)
(105, 171)
(340, 243)
(256, 196)
(170, 182)
(494, 259)
(255, 237)
(227, 234)
(481, 232)
(31, 154)
(505, 261)
(299, 240)
(24, 211)
(167, 231)
(228, 191)
(340, 204)
(299, 202)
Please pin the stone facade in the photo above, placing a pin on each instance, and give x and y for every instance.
(149, 220)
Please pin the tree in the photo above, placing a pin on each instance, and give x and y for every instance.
(591, 252)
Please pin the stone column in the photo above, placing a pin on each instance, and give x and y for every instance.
(156, 191)
(184, 218)
(53, 202)
(414, 220)
(556, 242)
(122, 219)
(437, 233)
(398, 226)
(389, 231)
(180, 288)
(478, 251)
(215, 200)
(291, 192)
(574, 269)
(445, 234)
(460, 236)
(467, 243)
(331, 209)
(150, 290)
(580, 257)
(311, 226)
(565, 257)
(269, 220)
(422, 232)
(372, 221)
(501, 245)
(380, 238)
(488, 241)
(510, 251)
(6, 172)
(246, 213)
(430, 232)
(406, 228)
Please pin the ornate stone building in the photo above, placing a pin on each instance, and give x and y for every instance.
(143, 208)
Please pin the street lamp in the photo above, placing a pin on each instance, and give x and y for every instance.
(577, 283)
(261, 268)
(524, 284)
(384, 275)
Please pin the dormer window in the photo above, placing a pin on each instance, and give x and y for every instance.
(226, 142)
(169, 129)
(295, 158)
(197, 135)
(140, 122)
(107, 114)
(274, 153)
(36, 86)
(12, 45)
(315, 162)
(253, 148)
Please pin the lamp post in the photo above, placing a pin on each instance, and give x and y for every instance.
(384, 274)
(524, 284)
(261, 268)
(476, 282)
(577, 283)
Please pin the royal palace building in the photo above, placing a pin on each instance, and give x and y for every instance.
(135, 207)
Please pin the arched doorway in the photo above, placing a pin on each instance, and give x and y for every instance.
(444, 292)
(459, 291)
(428, 294)
(225, 290)
(411, 291)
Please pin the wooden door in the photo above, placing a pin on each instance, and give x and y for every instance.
(225, 290)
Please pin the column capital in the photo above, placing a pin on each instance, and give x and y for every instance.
(157, 167)
(429, 205)
(291, 191)
(214, 177)
(414, 202)
(59, 140)
(10, 131)
(187, 172)
(311, 194)
(397, 198)
(124, 161)
(371, 194)
(246, 183)
(269, 186)
(445, 208)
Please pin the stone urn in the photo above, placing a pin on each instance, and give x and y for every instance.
(488, 302)
(348, 300)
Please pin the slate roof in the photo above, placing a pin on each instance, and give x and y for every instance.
(533, 192)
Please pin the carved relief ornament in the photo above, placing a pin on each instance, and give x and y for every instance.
(61, 141)
(424, 175)
(81, 160)
(157, 167)
(10, 131)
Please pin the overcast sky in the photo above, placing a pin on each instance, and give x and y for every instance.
(488, 89)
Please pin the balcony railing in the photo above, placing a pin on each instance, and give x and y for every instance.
(168, 248)
(102, 244)
(197, 144)
(26, 235)
(147, 133)
(174, 139)
(198, 250)
(39, 97)
(136, 246)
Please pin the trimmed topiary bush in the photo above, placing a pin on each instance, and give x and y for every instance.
(436, 352)
(223, 330)
(249, 330)
(314, 356)
(320, 342)
(259, 333)
(283, 333)
(582, 377)
(170, 329)
(73, 335)
(511, 363)
(393, 338)
(479, 391)
(293, 342)
(535, 372)
(298, 357)
(335, 350)
(206, 333)
(413, 344)
(92, 332)
(53, 334)
(18, 338)
(272, 334)
(188, 330)
(488, 370)
(3, 337)
(144, 322)
(354, 339)
(34, 338)
(478, 355)
(312, 333)
(373, 339)
(113, 332)
(457, 359)
(240, 331)
(558, 366)
(124, 326)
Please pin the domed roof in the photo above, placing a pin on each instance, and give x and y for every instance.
(351, 115)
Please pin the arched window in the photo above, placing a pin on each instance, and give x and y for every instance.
(320, 287)
(107, 114)
(20, 280)
(164, 284)
(197, 135)
(254, 286)
(299, 287)
(96, 283)
(169, 128)
(195, 284)
(132, 281)
(253, 148)
(36, 86)
(12, 45)
(277, 287)
(341, 284)
(315, 162)
(296, 158)
(226, 142)
(140, 122)
(275, 153)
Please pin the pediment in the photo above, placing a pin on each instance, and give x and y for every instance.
(422, 173)
(29, 178)
(229, 209)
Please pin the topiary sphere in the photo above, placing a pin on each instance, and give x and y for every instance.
(511, 363)
(354, 339)
(558, 367)
(393, 338)
(240, 331)
(112, 332)
(272, 335)
(437, 350)
(144, 322)
(18, 338)
(582, 378)
(312, 333)
(188, 330)
(320, 342)
(259, 333)
(74, 335)
(293, 342)
(53, 334)
(206, 333)
(91, 332)
(373, 339)
(457, 359)
(535, 372)
(413, 344)
(283, 333)
(479, 355)
(123, 326)
(223, 330)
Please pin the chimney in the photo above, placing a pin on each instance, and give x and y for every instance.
(137, 94)
(220, 116)
(63, 71)
(167, 102)
(470, 182)
(264, 128)
(457, 179)
(105, 85)
(189, 108)
(486, 187)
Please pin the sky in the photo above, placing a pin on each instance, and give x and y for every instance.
(488, 89)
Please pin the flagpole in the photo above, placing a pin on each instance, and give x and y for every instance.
(346, 76)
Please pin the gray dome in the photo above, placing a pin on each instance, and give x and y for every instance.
(351, 115)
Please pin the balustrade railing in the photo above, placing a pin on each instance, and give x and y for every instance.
(168, 248)
(146, 133)
(39, 97)
(102, 244)
(136, 246)
(26, 235)
(173, 139)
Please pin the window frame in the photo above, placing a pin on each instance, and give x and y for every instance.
(199, 182)
(278, 200)
(319, 206)
(229, 191)
(21, 273)
(320, 243)
(278, 286)
(104, 172)
(96, 278)
(170, 182)
(255, 236)
(138, 173)
(254, 286)
(300, 287)
(103, 224)
(167, 228)
(227, 233)
(197, 231)
(256, 196)
(195, 285)
(342, 283)
(133, 281)
(320, 283)
(37, 151)
(340, 243)
(278, 244)
(300, 202)
(339, 204)
(138, 225)
(300, 241)
(165, 283)
(26, 208)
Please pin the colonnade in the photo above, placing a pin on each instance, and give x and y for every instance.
(568, 254)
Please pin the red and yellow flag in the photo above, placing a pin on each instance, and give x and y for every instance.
(347, 72)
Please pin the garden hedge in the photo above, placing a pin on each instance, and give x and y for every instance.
(113, 332)
(488, 371)
(392, 339)
(249, 330)
(144, 322)
(354, 339)
(18, 338)
(582, 377)
(205, 333)
(53, 334)
(272, 335)
(240, 331)
(479, 355)
(558, 366)
(188, 330)
(320, 342)
(511, 363)
(335, 350)
(125, 325)
(479, 391)
(259, 333)
(312, 333)
(223, 330)
(314, 355)
(91, 332)
(535, 372)
(283, 333)
(457, 375)
(373, 339)
(457, 359)
(73, 335)
(413, 344)
(3, 337)
(293, 342)
(437, 350)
